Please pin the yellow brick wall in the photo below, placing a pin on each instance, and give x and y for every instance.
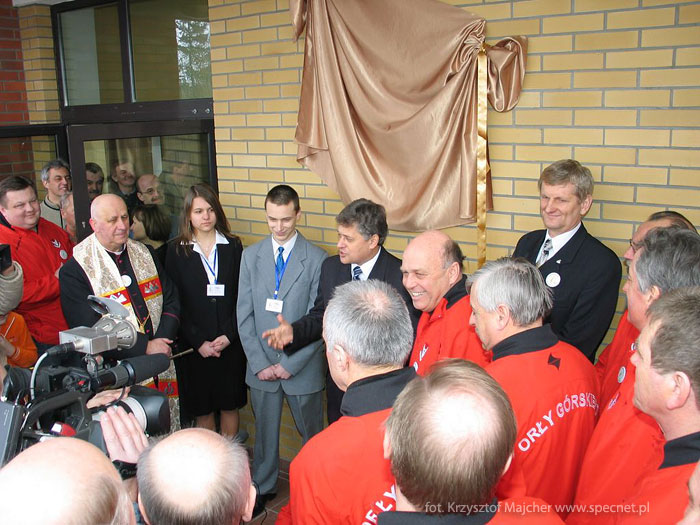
(39, 65)
(613, 84)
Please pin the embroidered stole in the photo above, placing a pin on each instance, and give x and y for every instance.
(106, 281)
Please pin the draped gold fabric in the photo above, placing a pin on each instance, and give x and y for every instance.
(389, 106)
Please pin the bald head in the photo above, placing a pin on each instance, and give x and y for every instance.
(450, 436)
(110, 221)
(73, 480)
(148, 189)
(432, 264)
(195, 476)
(660, 219)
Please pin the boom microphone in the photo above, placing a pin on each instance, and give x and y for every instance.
(131, 371)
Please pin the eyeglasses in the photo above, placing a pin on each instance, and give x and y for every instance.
(635, 246)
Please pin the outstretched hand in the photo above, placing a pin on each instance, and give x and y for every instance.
(278, 337)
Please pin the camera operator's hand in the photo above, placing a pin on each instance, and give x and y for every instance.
(160, 345)
(106, 397)
(124, 437)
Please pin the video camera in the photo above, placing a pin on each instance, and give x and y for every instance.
(57, 395)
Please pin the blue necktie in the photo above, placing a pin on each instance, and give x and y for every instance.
(356, 272)
(280, 260)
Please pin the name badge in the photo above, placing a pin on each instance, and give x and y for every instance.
(215, 290)
(274, 305)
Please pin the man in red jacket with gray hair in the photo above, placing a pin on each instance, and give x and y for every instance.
(341, 475)
(552, 386)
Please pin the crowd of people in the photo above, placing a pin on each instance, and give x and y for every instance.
(449, 398)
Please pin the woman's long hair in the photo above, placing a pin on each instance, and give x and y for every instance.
(186, 233)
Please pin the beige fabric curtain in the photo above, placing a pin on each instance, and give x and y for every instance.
(389, 98)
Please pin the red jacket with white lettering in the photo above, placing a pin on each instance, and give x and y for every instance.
(445, 333)
(614, 362)
(626, 446)
(553, 388)
(40, 253)
(340, 476)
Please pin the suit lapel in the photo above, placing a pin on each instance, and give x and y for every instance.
(534, 248)
(566, 254)
(571, 248)
(295, 266)
(379, 268)
(266, 267)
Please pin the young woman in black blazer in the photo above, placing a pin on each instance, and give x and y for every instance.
(204, 261)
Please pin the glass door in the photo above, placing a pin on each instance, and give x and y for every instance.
(144, 162)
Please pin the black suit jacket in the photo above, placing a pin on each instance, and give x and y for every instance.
(205, 318)
(585, 299)
(334, 273)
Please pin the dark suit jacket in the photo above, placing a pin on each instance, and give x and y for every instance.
(585, 299)
(334, 273)
(205, 318)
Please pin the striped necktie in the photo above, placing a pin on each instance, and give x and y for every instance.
(544, 255)
(356, 272)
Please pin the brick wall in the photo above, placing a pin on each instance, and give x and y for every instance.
(39, 64)
(615, 85)
(13, 98)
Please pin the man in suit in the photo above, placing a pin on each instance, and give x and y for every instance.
(583, 274)
(279, 275)
(362, 229)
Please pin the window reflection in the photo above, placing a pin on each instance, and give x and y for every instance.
(151, 170)
(92, 61)
(170, 41)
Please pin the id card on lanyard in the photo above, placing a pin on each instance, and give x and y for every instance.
(273, 304)
(216, 289)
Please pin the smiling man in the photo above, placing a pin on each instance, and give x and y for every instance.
(55, 177)
(583, 274)
(40, 247)
(432, 274)
(95, 179)
(279, 275)
(123, 182)
(362, 229)
(109, 264)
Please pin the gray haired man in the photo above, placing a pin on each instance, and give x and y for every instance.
(56, 179)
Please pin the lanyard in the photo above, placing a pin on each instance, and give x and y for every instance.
(279, 273)
(213, 271)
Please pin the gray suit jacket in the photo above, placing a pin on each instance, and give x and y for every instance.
(298, 291)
